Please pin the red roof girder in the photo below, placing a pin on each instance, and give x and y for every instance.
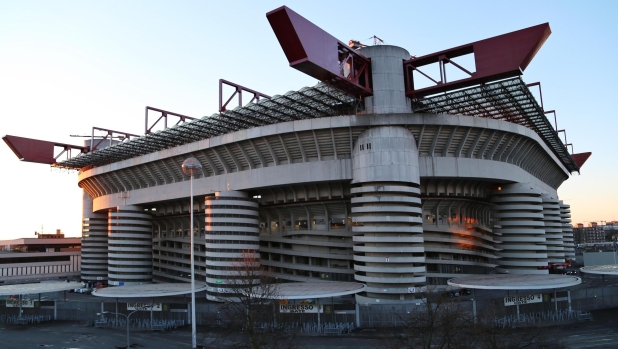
(580, 158)
(34, 150)
(316, 53)
(500, 57)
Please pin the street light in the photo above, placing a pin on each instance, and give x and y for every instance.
(127, 316)
(190, 167)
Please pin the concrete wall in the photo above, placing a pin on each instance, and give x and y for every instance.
(599, 258)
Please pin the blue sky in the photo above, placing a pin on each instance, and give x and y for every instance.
(66, 66)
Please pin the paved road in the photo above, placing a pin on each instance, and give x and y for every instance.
(598, 337)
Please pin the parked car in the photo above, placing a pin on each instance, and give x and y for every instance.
(453, 294)
(459, 292)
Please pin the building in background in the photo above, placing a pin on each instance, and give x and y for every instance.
(380, 174)
(47, 257)
(594, 232)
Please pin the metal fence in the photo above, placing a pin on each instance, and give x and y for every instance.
(582, 301)
(370, 315)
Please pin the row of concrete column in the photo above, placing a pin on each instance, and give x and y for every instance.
(117, 245)
(533, 228)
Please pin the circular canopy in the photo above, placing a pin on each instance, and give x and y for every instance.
(516, 282)
(610, 269)
(308, 290)
(43, 287)
(147, 290)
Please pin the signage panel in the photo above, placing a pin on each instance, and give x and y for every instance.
(531, 298)
(144, 306)
(14, 303)
(300, 308)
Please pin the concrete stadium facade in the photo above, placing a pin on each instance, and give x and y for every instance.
(387, 197)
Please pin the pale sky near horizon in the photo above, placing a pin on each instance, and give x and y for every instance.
(66, 66)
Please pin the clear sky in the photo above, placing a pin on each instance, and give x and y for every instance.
(66, 66)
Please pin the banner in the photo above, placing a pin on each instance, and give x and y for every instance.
(300, 308)
(14, 303)
(144, 306)
(531, 298)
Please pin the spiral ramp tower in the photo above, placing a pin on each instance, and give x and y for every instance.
(386, 214)
(553, 229)
(129, 246)
(567, 231)
(232, 244)
(518, 222)
(94, 243)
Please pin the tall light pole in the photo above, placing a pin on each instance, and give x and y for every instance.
(190, 167)
(127, 316)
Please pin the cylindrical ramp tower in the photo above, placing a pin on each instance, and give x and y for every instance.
(553, 229)
(130, 246)
(386, 214)
(567, 231)
(232, 243)
(94, 242)
(519, 227)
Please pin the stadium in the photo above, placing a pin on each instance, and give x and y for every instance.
(368, 176)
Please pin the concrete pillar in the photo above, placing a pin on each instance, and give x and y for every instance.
(517, 303)
(569, 299)
(555, 301)
(221, 227)
(129, 230)
(386, 212)
(567, 231)
(357, 314)
(388, 80)
(94, 242)
(518, 212)
(553, 229)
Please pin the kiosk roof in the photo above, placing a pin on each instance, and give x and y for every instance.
(516, 282)
(305, 290)
(610, 269)
(147, 290)
(43, 287)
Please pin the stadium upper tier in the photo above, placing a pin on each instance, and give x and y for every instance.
(508, 100)
(307, 103)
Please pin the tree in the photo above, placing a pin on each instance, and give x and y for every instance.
(441, 322)
(445, 323)
(249, 309)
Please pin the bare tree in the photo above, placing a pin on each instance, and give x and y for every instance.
(444, 323)
(441, 323)
(248, 312)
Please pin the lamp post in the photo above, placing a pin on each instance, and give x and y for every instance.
(190, 167)
(127, 316)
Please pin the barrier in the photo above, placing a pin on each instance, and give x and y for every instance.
(24, 319)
